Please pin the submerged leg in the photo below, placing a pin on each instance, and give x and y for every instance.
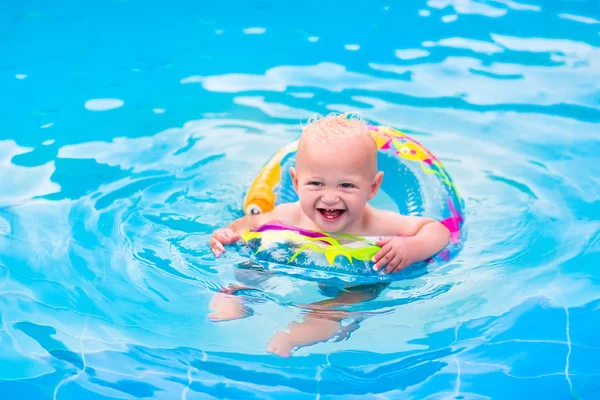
(227, 306)
(321, 323)
(310, 331)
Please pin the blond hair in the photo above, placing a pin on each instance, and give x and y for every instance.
(335, 126)
(335, 130)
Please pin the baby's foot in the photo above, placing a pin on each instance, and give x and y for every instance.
(345, 332)
(305, 333)
(227, 307)
(281, 344)
(233, 289)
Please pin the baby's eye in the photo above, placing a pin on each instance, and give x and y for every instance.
(315, 183)
(347, 185)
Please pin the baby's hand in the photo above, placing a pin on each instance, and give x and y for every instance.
(220, 237)
(395, 253)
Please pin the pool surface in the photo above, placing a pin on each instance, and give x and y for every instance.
(130, 131)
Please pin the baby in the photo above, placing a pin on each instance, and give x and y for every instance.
(335, 177)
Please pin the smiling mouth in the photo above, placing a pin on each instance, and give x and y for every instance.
(331, 214)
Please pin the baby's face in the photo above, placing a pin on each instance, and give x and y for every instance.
(335, 181)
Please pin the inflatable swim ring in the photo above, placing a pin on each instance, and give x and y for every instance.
(415, 180)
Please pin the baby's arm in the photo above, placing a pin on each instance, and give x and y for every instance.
(232, 233)
(413, 239)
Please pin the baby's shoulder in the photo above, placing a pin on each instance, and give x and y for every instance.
(389, 223)
(382, 222)
(287, 213)
(376, 215)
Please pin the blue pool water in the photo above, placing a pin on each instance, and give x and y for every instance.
(130, 130)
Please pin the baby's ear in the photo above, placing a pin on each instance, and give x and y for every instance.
(294, 178)
(376, 184)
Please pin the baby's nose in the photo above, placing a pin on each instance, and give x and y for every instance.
(330, 198)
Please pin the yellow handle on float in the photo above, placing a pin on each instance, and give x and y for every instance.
(260, 197)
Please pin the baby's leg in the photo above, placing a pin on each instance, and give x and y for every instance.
(227, 305)
(349, 295)
(322, 323)
(311, 330)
